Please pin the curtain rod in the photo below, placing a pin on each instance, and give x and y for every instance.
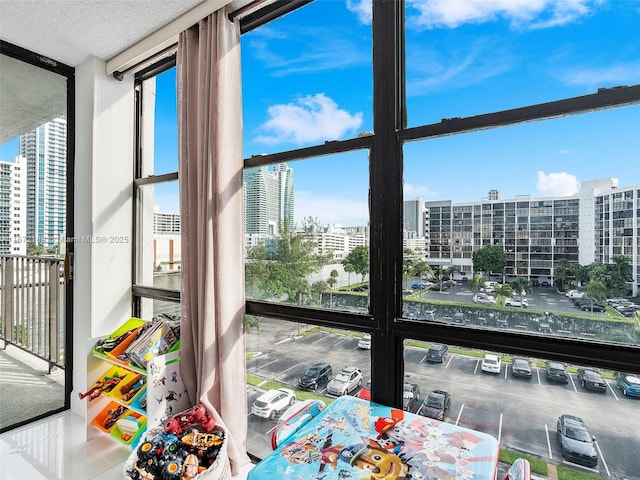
(259, 16)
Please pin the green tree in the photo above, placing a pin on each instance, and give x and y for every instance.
(332, 281)
(476, 283)
(596, 291)
(280, 272)
(421, 269)
(407, 269)
(521, 284)
(251, 321)
(620, 272)
(505, 290)
(349, 269)
(318, 288)
(489, 259)
(438, 272)
(564, 272)
(359, 259)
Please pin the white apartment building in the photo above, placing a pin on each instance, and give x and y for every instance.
(594, 225)
(13, 205)
(45, 151)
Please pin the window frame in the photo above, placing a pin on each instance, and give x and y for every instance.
(390, 133)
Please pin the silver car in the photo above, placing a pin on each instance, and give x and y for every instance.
(347, 380)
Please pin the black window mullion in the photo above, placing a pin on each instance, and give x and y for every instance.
(387, 364)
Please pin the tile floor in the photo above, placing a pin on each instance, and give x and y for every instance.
(57, 448)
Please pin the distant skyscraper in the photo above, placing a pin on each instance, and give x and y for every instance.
(46, 154)
(413, 217)
(269, 200)
(13, 202)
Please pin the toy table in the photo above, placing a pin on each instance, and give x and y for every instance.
(360, 440)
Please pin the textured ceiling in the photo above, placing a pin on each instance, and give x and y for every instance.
(69, 31)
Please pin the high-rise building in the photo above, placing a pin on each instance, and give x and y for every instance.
(269, 200)
(13, 201)
(45, 151)
(594, 225)
(413, 217)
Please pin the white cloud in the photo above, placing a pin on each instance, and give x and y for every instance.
(312, 118)
(598, 77)
(557, 184)
(345, 211)
(362, 10)
(412, 191)
(521, 13)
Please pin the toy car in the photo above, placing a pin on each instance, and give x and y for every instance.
(113, 416)
(196, 416)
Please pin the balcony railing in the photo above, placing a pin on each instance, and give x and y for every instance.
(32, 309)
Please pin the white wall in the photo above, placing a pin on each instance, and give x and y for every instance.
(103, 209)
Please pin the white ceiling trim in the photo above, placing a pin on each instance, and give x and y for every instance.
(162, 38)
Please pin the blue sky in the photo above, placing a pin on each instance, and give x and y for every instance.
(307, 79)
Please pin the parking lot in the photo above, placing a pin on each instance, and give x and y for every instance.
(520, 413)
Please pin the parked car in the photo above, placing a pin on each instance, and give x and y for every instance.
(428, 315)
(590, 305)
(365, 392)
(576, 443)
(365, 342)
(458, 317)
(520, 367)
(436, 405)
(273, 402)
(346, 381)
(437, 353)
(591, 379)
(491, 363)
(410, 396)
(544, 328)
(418, 286)
(556, 372)
(574, 294)
(516, 302)
(484, 298)
(629, 384)
(406, 291)
(317, 376)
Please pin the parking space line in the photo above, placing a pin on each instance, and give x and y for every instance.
(546, 429)
(459, 414)
(262, 366)
(538, 374)
(506, 369)
(284, 371)
(449, 362)
(423, 358)
(614, 393)
(573, 383)
(338, 343)
(268, 432)
(475, 370)
(500, 429)
(602, 458)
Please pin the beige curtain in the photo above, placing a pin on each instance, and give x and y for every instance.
(210, 158)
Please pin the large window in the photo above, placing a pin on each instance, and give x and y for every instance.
(479, 227)
(381, 238)
(157, 263)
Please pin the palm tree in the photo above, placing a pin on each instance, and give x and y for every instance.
(421, 268)
(349, 269)
(331, 281)
(476, 283)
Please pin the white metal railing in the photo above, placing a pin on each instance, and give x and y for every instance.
(32, 310)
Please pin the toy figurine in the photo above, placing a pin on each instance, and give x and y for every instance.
(105, 345)
(133, 386)
(190, 467)
(100, 386)
(195, 416)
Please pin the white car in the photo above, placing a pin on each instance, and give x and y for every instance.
(365, 342)
(574, 294)
(484, 298)
(516, 302)
(491, 363)
(272, 402)
(347, 380)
